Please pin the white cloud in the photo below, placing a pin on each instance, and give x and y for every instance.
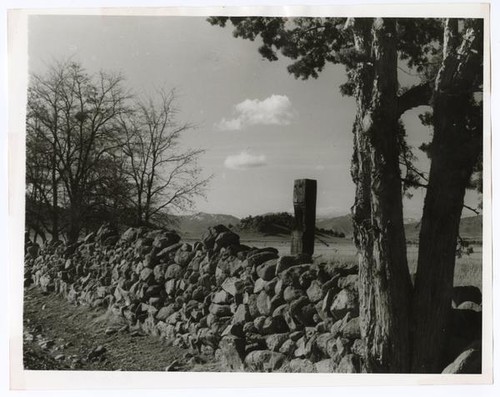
(274, 110)
(244, 160)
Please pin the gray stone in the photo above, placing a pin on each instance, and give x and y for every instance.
(350, 282)
(242, 315)
(264, 360)
(288, 347)
(469, 362)
(263, 303)
(174, 271)
(221, 297)
(345, 301)
(220, 310)
(290, 294)
(233, 285)
(233, 352)
(275, 341)
(301, 365)
(326, 366)
(267, 270)
(351, 330)
(257, 259)
(349, 364)
(315, 291)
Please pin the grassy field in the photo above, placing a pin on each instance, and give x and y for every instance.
(468, 269)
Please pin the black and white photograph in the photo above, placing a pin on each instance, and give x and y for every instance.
(256, 193)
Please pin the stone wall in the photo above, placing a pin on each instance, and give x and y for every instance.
(251, 308)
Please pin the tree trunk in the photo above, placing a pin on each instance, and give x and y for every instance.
(454, 151)
(384, 282)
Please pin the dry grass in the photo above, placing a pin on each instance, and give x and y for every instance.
(468, 268)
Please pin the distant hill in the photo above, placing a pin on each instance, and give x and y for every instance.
(197, 224)
(470, 227)
(341, 224)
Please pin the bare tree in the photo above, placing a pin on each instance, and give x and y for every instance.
(73, 115)
(164, 175)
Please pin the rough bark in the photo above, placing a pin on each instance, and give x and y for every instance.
(454, 151)
(377, 212)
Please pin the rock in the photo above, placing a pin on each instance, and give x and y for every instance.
(327, 344)
(264, 360)
(349, 364)
(315, 291)
(233, 286)
(350, 282)
(285, 262)
(306, 315)
(290, 294)
(242, 315)
(221, 297)
(170, 287)
(469, 362)
(325, 366)
(165, 312)
(159, 273)
(275, 341)
(307, 277)
(234, 330)
(257, 259)
(288, 347)
(273, 325)
(358, 348)
(351, 330)
(233, 352)
(468, 305)
(220, 310)
(343, 346)
(340, 324)
(210, 236)
(182, 258)
(291, 276)
(130, 235)
(226, 239)
(96, 353)
(146, 275)
(168, 253)
(466, 293)
(263, 303)
(267, 270)
(345, 301)
(259, 285)
(466, 324)
(174, 271)
(301, 365)
(304, 347)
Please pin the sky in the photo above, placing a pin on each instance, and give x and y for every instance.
(259, 126)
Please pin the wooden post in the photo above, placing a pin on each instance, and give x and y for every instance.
(304, 204)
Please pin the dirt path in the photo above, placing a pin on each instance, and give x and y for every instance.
(60, 335)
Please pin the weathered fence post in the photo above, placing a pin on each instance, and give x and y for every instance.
(304, 204)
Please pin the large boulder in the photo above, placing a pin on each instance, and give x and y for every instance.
(211, 235)
(267, 270)
(466, 294)
(226, 239)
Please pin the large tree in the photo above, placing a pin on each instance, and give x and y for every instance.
(72, 129)
(399, 335)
